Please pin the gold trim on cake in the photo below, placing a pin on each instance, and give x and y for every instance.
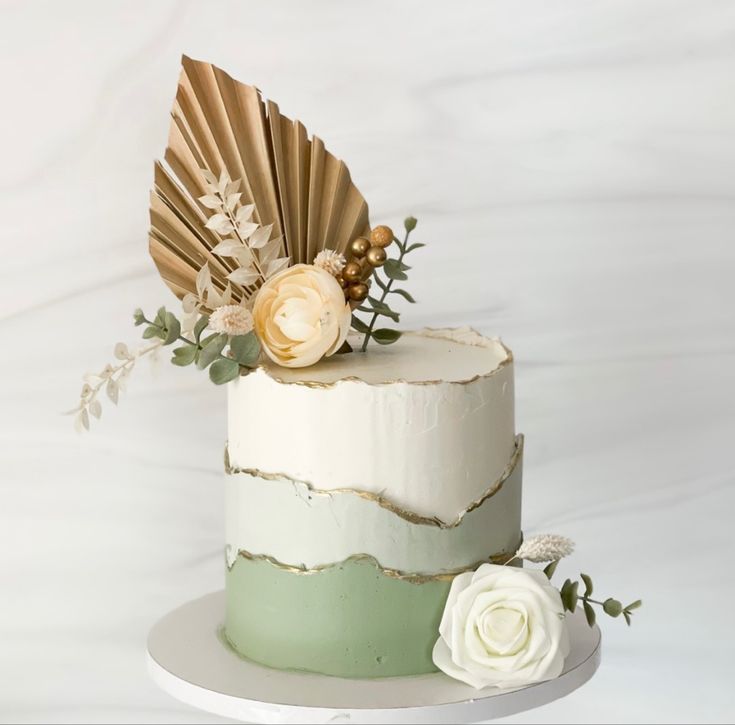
(503, 557)
(454, 334)
(410, 516)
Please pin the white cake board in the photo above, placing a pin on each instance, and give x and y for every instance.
(187, 659)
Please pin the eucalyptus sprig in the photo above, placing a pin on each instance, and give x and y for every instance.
(208, 352)
(395, 270)
(570, 598)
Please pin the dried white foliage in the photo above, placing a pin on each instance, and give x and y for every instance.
(191, 307)
(113, 378)
(195, 305)
(208, 297)
(330, 261)
(241, 239)
(545, 547)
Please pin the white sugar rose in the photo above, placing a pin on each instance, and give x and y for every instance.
(301, 316)
(502, 627)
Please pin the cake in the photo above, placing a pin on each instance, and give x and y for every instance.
(356, 490)
(373, 475)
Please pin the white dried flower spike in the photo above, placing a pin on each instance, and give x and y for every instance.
(231, 320)
(330, 261)
(545, 547)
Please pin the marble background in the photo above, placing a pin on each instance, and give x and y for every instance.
(571, 165)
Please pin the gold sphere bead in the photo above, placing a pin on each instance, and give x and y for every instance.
(376, 256)
(359, 247)
(352, 272)
(357, 292)
(381, 236)
(342, 282)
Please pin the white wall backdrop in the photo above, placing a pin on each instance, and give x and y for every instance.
(572, 166)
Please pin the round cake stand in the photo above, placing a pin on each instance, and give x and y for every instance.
(187, 659)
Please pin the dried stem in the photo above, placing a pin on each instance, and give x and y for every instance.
(253, 254)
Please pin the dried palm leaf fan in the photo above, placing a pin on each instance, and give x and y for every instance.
(220, 130)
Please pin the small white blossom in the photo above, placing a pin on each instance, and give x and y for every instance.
(231, 320)
(330, 261)
(545, 547)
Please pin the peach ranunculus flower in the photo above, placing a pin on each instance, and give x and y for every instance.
(301, 316)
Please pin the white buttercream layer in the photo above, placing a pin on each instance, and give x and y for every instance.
(303, 527)
(427, 422)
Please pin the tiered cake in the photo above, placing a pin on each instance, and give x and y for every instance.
(356, 490)
(373, 490)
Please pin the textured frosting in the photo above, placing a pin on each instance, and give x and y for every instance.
(356, 488)
(428, 422)
(263, 515)
(349, 620)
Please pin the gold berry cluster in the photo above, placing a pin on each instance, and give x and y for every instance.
(366, 255)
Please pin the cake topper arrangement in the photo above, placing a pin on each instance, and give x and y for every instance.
(259, 231)
(247, 211)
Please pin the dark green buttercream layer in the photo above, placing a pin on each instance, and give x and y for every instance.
(348, 620)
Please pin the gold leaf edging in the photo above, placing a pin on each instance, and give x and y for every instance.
(412, 578)
(410, 516)
(428, 332)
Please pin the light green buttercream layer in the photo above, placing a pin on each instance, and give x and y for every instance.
(264, 511)
(348, 620)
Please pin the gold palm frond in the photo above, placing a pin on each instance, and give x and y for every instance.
(224, 136)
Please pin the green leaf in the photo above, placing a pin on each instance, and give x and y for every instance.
(589, 612)
(184, 355)
(392, 269)
(383, 309)
(626, 615)
(549, 569)
(564, 592)
(138, 317)
(404, 294)
(635, 605)
(223, 370)
(612, 607)
(385, 336)
(587, 585)
(409, 223)
(200, 326)
(245, 349)
(212, 351)
(208, 339)
(379, 281)
(359, 325)
(574, 596)
(173, 329)
(160, 318)
(569, 595)
(151, 331)
(415, 245)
